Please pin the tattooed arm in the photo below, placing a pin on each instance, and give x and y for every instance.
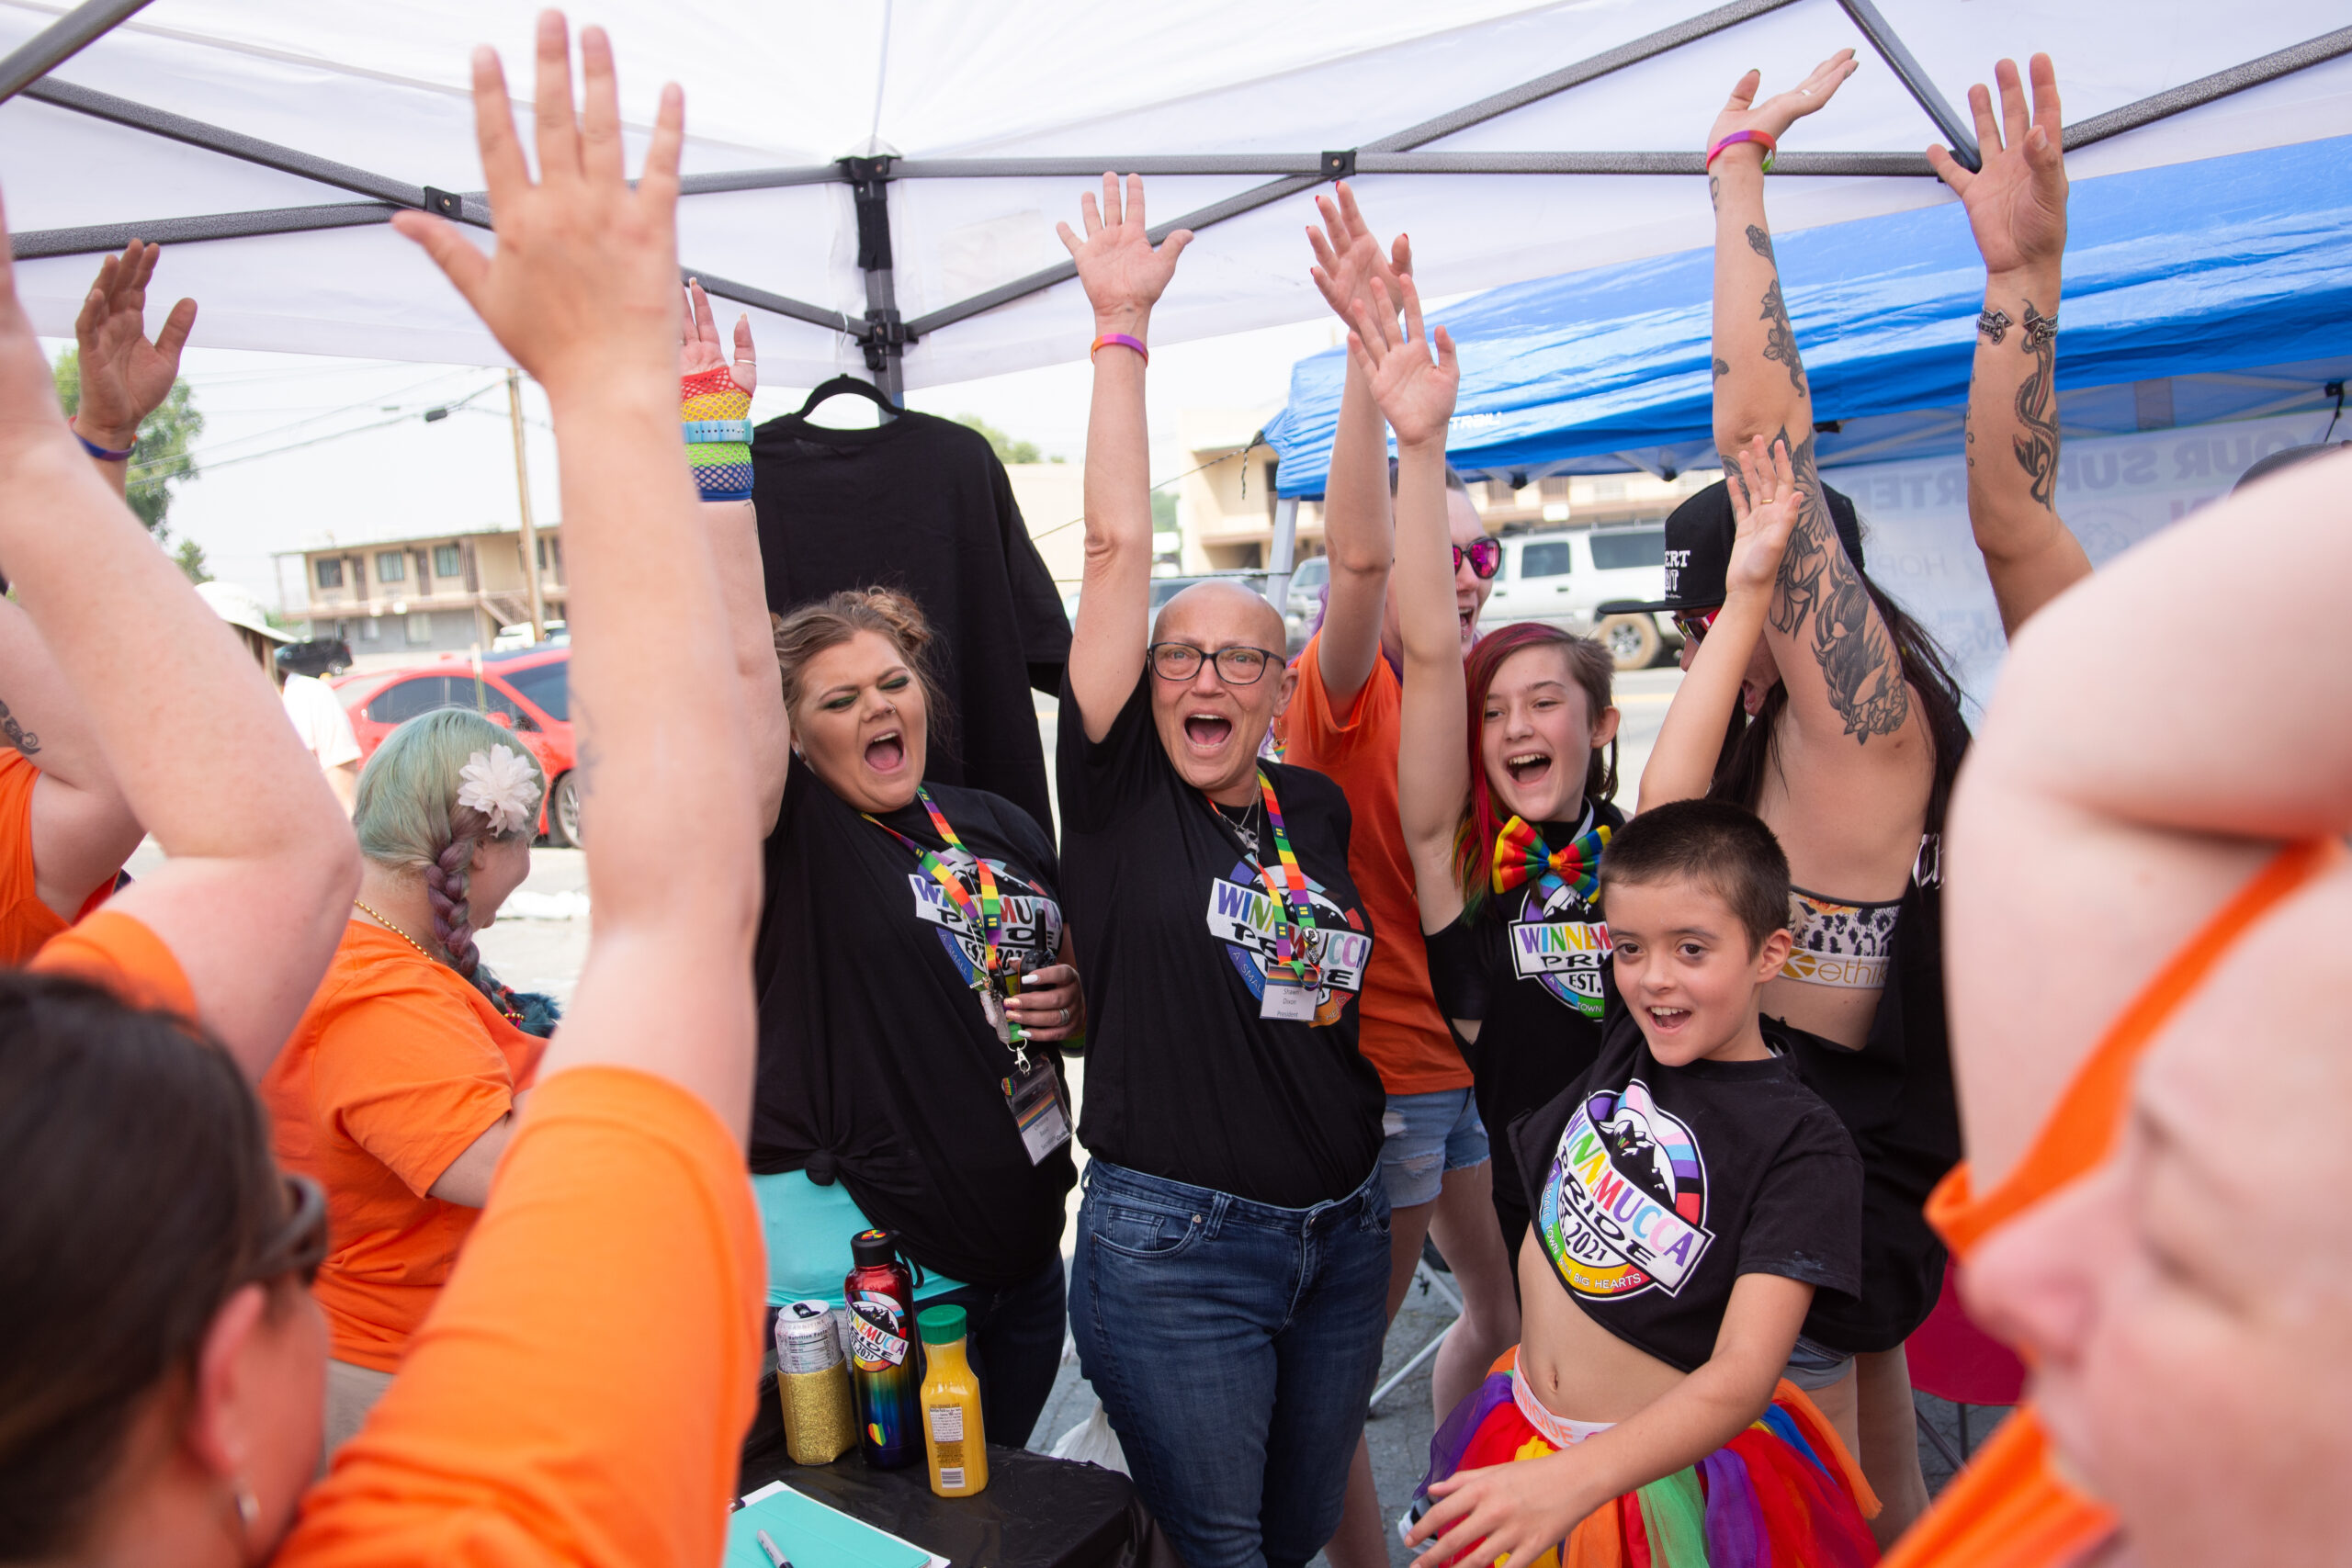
(1835, 655)
(2016, 208)
(82, 827)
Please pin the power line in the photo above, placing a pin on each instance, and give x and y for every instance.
(399, 418)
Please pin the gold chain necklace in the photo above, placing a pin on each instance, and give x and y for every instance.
(387, 923)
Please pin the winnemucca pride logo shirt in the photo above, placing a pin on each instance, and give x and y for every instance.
(1624, 1204)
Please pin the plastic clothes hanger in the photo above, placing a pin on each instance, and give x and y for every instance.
(852, 386)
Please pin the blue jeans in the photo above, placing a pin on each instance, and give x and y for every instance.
(1234, 1346)
(1013, 1340)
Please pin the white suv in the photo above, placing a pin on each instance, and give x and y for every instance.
(1564, 577)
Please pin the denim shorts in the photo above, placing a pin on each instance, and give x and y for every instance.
(1428, 1134)
(1814, 1366)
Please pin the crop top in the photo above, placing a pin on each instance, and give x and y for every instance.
(2009, 1508)
(1654, 1187)
(1845, 945)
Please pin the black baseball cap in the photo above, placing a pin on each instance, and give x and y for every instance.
(1699, 535)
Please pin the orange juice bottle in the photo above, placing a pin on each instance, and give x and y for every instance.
(952, 1431)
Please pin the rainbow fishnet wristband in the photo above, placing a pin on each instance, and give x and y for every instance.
(716, 412)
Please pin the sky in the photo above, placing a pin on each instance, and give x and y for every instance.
(298, 449)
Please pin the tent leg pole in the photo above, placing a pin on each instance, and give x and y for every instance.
(869, 183)
(1281, 556)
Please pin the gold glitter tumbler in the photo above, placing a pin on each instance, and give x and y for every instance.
(812, 1380)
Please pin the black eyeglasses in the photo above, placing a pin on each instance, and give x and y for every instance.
(300, 1244)
(1237, 666)
(1486, 557)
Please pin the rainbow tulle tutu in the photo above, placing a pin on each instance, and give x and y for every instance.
(1784, 1493)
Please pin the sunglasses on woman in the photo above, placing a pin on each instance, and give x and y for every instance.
(299, 1245)
(1694, 624)
(1486, 557)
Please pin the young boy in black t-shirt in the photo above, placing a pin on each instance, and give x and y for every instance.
(1690, 1195)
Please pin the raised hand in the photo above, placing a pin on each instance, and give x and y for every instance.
(1348, 257)
(699, 346)
(581, 287)
(125, 377)
(2017, 201)
(1764, 510)
(1777, 113)
(1122, 273)
(1414, 390)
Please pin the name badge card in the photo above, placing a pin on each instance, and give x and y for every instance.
(1034, 1094)
(1287, 998)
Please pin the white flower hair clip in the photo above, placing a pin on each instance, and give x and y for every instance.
(499, 783)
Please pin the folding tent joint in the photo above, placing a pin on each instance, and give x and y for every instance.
(1340, 165)
(869, 185)
(447, 203)
(886, 335)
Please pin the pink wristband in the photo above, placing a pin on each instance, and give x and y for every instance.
(1762, 137)
(1120, 340)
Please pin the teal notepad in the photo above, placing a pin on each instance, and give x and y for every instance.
(813, 1535)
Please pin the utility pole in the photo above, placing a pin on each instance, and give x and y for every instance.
(522, 490)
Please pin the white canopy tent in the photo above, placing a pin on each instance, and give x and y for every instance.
(879, 181)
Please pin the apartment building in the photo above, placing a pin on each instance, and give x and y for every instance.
(420, 593)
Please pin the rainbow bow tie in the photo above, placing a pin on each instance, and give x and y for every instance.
(1520, 857)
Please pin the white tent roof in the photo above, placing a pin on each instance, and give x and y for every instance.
(381, 90)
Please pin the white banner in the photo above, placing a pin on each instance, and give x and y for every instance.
(2113, 492)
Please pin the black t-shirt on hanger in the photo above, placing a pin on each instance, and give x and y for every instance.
(1532, 967)
(878, 1066)
(1653, 1188)
(921, 505)
(1184, 1080)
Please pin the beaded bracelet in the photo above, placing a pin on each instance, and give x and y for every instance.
(1762, 137)
(715, 413)
(1119, 340)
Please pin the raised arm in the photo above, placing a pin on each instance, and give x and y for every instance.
(2126, 780)
(1763, 506)
(82, 827)
(1356, 532)
(583, 291)
(196, 739)
(1124, 275)
(1845, 679)
(125, 377)
(2017, 210)
(1415, 392)
(732, 526)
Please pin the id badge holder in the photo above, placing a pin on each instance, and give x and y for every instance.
(1034, 1094)
(1287, 998)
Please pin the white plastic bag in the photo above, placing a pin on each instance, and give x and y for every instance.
(1091, 1441)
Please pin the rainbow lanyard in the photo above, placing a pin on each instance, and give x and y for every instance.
(1285, 881)
(985, 914)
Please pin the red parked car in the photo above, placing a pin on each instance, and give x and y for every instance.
(527, 690)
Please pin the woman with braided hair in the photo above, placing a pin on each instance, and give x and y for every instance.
(399, 1088)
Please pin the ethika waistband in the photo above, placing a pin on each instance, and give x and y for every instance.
(1559, 1431)
(1840, 945)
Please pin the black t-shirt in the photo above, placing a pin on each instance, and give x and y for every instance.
(1655, 1187)
(1532, 966)
(921, 505)
(1184, 1080)
(1895, 1097)
(876, 1064)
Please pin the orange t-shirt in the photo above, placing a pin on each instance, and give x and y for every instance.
(1399, 1030)
(396, 1067)
(580, 1391)
(25, 921)
(120, 954)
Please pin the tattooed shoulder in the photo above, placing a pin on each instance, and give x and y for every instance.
(14, 732)
(1858, 661)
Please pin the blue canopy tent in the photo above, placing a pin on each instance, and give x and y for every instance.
(2201, 291)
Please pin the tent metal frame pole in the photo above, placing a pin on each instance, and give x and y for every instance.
(1281, 556)
(884, 334)
(61, 40)
(2207, 89)
(1343, 166)
(1915, 79)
